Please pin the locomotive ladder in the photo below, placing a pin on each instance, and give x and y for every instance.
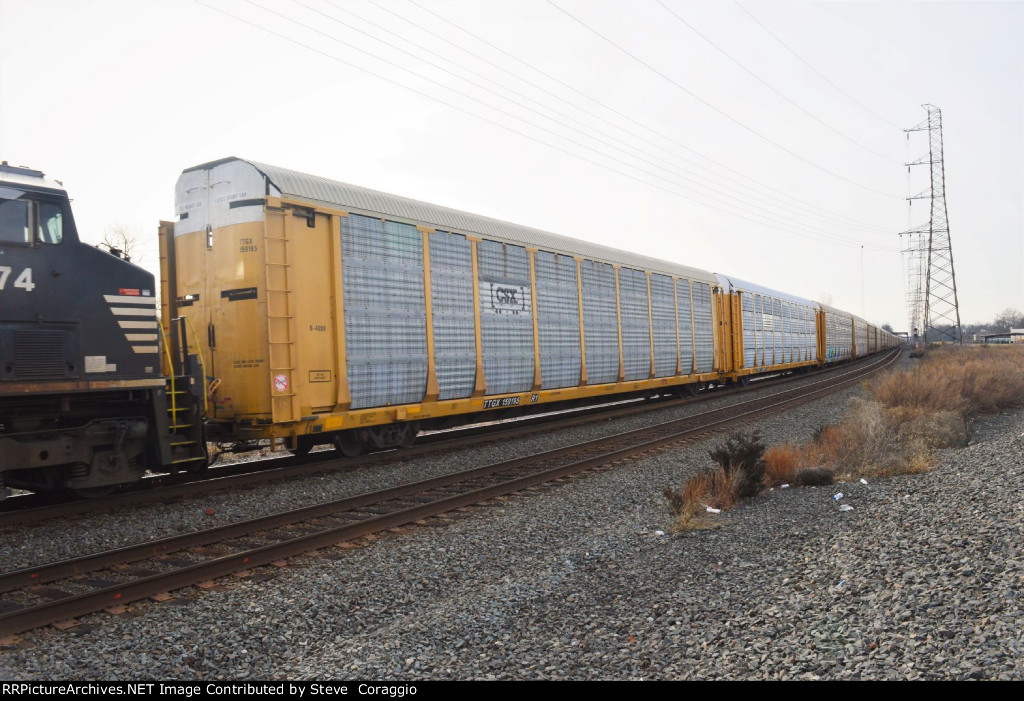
(280, 318)
(183, 442)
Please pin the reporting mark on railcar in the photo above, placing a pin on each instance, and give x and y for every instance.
(501, 402)
(506, 299)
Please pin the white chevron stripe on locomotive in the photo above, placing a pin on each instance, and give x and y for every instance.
(142, 306)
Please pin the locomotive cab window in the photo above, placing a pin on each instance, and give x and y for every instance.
(51, 223)
(16, 218)
(14, 226)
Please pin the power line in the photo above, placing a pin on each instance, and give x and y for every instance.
(816, 71)
(374, 74)
(698, 183)
(668, 167)
(719, 110)
(611, 109)
(818, 234)
(774, 90)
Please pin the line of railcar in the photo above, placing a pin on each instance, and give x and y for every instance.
(302, 310)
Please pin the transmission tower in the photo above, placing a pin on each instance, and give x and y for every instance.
(931, 294)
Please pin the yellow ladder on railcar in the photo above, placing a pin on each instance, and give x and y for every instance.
(183, 438)
(280, 315)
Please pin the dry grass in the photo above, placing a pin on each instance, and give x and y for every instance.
(781, 463)
(910, 414)
(797, 466)
(715, 487)
(969, 381)
(906, 417)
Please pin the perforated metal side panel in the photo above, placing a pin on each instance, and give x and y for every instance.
(506, 317)
(451, 294)
(685, 326)
(663, 314)
(385, 312)
(799, 339)
(777, 327)
(787, 331)
(703, 327)
(636, 325)
(749, 331)
(600, 325)
(758, 331)
(837, 337)
(768, 323)
(558, 320)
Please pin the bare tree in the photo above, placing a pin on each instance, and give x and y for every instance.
(825, 298)
(887, 327)
(125, 241)
(1010, 318)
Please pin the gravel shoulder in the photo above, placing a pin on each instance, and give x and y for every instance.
(921, 580)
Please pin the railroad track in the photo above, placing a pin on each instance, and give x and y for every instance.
(29, 508)
(63, 590)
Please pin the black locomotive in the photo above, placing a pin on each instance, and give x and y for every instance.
(85, 403)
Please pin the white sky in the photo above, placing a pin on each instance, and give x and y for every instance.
(117, 98)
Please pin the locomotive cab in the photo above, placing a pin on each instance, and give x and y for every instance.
(79, 348)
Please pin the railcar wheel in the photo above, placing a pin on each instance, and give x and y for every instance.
(348, 444)
(743, 381)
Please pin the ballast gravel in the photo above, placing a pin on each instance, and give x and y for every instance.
(59, 539)
(920, 580)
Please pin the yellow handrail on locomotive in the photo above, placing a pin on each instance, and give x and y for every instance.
(170, 372)
(206, 406)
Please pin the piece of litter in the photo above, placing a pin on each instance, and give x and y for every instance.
(659, 533)
(837, 497)
(783, 486)
(712, 510)
(846, 507)
(863, 481)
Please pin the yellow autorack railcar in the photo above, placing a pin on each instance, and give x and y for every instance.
(328, 312)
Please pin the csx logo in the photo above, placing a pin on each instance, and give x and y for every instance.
(506, 295)
(505, 299)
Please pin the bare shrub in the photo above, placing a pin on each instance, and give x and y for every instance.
(907, 416)
(742, 455)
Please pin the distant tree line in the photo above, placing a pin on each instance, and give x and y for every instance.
(1008, 319)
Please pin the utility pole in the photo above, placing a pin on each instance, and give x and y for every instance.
(932, 291)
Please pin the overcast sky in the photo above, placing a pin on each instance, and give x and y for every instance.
(758, 139)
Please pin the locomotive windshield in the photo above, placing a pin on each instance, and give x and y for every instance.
(13, 221)
(16, 216)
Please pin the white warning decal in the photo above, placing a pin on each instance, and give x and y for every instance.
(280, 383)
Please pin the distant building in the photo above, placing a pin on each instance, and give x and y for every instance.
(1015, 336)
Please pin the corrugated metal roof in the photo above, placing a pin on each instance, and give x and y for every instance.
(729, 282)
(835, 310)
(332, 193)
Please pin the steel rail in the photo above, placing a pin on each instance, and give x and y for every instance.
(26, 618)
(266, 470)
